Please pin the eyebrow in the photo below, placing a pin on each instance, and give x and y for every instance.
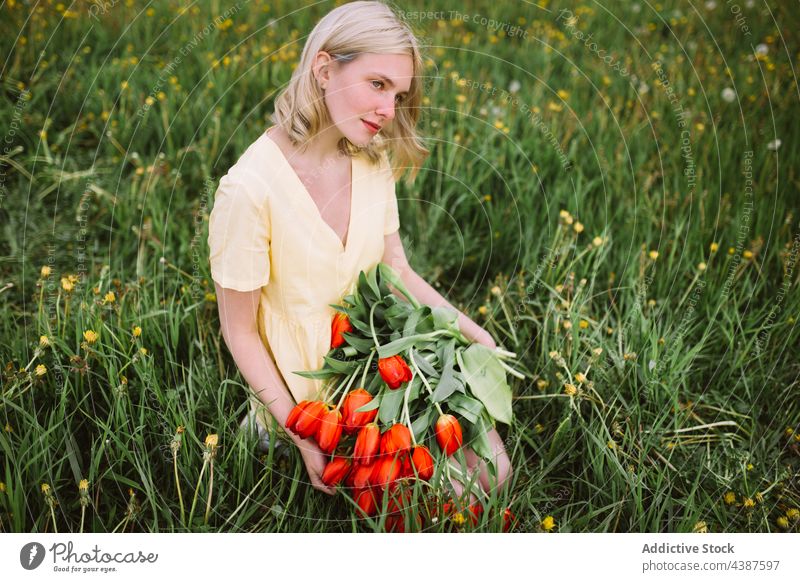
(388, 81)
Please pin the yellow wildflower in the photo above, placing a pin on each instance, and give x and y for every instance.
(483, 310)
(701, 266)
(458, 519)
(782, 522)
(211, 297)
(137, 331)
(41, 370)
(143, 351)
(747, 255)
(109, 297)
(597, 241)
(83, 486)
(748, 503)
(548, 523)
(714, 247)
(90, 336)
(793, 513)
(212, 440)
(45, 488)
(66, 284)
(44, 341)
(583, 324)
(729, 498)
(496, 290)
(46, 272)
(653, 255)
(567, 324)
(2, 487)
(7, 428)
(569, 389)
(541, 384)
(578, 227)
(700, 527)
(629, 356)
(580, 377)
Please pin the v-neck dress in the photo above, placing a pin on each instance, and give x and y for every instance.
(266, 232)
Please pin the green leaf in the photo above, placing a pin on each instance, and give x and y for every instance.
(372, 280)
(341, 366)
(560, 438)
(372, 404)
(388, 274)
(361, 344)
(479, 438)
(468, 407)
(421, 424)
(424, 365)
(322, 374)
(444, 318)
(486, 379)
(391, 401)
(410, 326)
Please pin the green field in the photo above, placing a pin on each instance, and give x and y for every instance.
(612, 192)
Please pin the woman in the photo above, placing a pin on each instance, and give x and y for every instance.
(311, 203)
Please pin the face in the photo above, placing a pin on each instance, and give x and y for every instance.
(362, 95)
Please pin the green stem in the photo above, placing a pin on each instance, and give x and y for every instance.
(196, 490)
(424, 380)
(372, 325)
(347, 388)
(210, 489)
(178, 484)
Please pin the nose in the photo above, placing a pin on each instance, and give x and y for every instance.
(386, 109)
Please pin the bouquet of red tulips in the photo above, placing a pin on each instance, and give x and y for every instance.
(399, 377)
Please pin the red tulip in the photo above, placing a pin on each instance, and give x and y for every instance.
(329, 431)
(448, 434)
(509, 520)
(336, 471)
(475, 510)
(394, 371)
(421, 460)
(353, 401)
(291, 420)
(339, 325)
(395, 440)
(387, 470)
(360, 476)
(310, 418)
(367, 443)
(365, 498)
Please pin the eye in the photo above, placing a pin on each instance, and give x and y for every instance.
(380, 84)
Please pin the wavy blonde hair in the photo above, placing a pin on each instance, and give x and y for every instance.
(345, 32)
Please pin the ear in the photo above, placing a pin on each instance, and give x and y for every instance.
(320, 68)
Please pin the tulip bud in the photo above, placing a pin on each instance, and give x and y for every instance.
(310, 418)
(339, 325)
(395, 440)
(422, 461)
(291, 420)
(336, 471)
(360, 475)
(353, 401)
(365, 498)
(367, 443)
(448, 434)
(329, 431)
(394, 371)
(387, 470)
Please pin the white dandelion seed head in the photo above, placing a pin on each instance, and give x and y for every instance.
(762, 49)
(643, 88)
(636, 8)
(729, 94)
(514, 86)
(710, 5)
(774, 145)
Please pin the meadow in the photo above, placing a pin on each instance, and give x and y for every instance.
(612, 192)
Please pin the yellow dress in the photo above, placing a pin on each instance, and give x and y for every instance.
(266, 232)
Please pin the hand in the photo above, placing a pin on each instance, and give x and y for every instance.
(315, 461)
(483, 338)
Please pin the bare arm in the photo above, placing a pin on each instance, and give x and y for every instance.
(238, 312)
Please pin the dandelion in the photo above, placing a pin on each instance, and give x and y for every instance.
(45, 272)
(458, 519)
(514, 86)
(461, 98)
(567, 324)
(41, 370)
(483, 310)
(569, 389)
(762, 49)
(548, 523)
(700, 527)
(748, 503)
(496, 291)
(539, 428)
(580, 377)
(747, 255)
(774, 145)
(109, 297)
(597, 241)
(2, 487)
(629, 356)
(90, 336)
(653, 255)
(578, 227)
(149, 100)
(7, 428)
(211, 297)
(143, 351)
(137, 331)
(701, 266)
(583, 324)
(67, 285)
(541, 384)
(566, 216)
(728, 95)
(731, 250)
(793, 513)
(597, 351)
(714, 247)
(44, 341)
(782, 522)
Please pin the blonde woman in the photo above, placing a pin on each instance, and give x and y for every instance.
(311, 203)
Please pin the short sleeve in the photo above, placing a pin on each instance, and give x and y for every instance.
(239, 235)
(392, 219)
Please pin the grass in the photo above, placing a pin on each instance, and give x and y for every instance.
(637, 248)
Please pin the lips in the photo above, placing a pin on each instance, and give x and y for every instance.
(374, 127)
